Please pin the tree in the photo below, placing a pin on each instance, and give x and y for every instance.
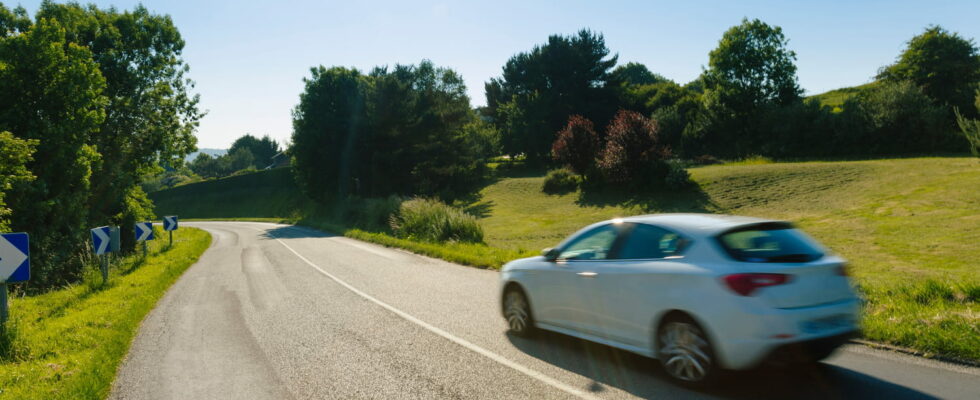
(326, 126)
(945, 65)
(752, 67)
(262, 149)
(541, 88)
(971, 128)
(634, 73)
(51, 91)
(420, 138)
(902, 120)
(576, 145)
(750, 71)
(150, 116)
(14, 155)
(633, 156)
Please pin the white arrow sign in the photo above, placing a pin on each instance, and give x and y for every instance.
(100, 239)
(144, 231)
(11, 258)
(170, 223)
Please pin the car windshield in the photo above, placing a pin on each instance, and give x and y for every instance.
(770, 243)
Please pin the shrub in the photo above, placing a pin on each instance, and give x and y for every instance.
(706, 159)
(904, 120)
(677, 177)
(633, 155)
(576, 144)
(562, 180)
(433, 221)
(970, 128)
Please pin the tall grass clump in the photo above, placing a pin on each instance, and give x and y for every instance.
(433, 221)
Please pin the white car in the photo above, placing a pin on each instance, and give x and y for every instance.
(698, 292)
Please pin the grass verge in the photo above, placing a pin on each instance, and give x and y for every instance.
(68, 343)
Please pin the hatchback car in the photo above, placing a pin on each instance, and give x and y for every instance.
(698, 292)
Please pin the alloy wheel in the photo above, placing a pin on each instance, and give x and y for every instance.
(684, 351)
(517, 312)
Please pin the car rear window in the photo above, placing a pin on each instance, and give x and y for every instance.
(769, 242)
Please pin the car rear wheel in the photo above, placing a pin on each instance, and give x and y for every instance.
(685, 352)
(517, 311)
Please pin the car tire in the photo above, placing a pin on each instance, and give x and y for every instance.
(517, 312)
(685, 352)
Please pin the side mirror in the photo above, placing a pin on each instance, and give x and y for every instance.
(550, 254)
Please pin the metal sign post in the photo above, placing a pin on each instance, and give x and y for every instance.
(144, 232)
(102, 245)
(170, 225)
(15, 265)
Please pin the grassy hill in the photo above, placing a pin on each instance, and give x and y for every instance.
(909, 227)
(837, 97)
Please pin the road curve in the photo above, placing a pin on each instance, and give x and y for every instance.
(277, 311)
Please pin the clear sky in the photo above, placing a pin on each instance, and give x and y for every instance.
(249, 58)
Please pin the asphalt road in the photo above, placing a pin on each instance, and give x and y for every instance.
(277, 312)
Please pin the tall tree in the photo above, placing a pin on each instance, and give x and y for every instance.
(945, 65)
(262, 149)
(634, 73)
(151, 113)
(326, 126)
(750, 70)
(540, 89)
(752, 67)
(51, 91)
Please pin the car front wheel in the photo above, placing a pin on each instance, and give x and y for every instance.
(517, 311)
(685, 352)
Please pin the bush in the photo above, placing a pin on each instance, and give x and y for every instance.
(677, 177)
(434, 221)
(561, 180)
(576, 144)
(633, 155)
(904, 120)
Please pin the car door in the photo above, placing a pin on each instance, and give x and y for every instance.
(631, 285)
(567, 297)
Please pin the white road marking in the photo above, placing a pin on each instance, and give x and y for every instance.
(460, 341)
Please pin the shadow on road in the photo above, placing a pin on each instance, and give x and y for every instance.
(645, 378)
(294, 232)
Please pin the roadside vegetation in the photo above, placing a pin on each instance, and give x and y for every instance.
(67, 343)
(907, 226)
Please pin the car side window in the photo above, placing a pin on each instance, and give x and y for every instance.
(648, 241)
(592, 245)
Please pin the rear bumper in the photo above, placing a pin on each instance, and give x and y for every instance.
(808, 350)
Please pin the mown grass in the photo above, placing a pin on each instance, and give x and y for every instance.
(68, 343)
(909, 227)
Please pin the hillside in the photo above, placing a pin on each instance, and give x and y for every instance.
(909, 227)
(837, 97)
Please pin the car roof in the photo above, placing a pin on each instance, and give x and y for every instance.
(697, 224)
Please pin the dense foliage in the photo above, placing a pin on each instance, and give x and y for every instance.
(407, 130)
(633, 156)
(945, 65)
(576, 145)
(14, 155)
(540, 89)
(105, 96)
(262, 150)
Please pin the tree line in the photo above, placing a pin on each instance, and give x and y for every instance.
(567, 102)
(91, 100)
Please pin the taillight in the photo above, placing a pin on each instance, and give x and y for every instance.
(842, 270)
(746, 284)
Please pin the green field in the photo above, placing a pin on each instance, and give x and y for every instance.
(68, 343)
(909, 227)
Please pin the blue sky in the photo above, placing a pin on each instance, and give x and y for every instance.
(249, 58)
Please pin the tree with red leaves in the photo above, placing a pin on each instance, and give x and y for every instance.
(576, 145)
(633, 154)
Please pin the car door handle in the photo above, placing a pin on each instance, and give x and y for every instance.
(587, 274)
